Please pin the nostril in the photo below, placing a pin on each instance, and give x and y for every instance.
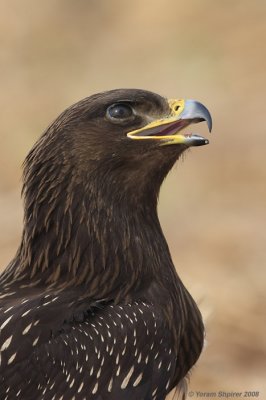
(176, 108)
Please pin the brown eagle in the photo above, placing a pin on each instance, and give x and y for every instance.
(91, 307)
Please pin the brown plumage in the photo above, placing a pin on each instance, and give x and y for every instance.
(91, 305)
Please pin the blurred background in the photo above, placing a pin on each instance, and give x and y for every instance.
(212, 206)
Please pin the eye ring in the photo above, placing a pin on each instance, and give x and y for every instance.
(119, 112)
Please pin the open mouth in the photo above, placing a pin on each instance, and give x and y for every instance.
(168, 130)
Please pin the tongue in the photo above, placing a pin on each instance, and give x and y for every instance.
(166, 129)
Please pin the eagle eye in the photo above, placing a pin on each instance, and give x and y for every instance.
(119, 111)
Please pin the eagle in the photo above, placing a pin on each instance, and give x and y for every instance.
(91, 306)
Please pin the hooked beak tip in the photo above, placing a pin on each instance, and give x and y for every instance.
(195, 110)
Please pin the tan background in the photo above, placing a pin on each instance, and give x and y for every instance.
(212, 206)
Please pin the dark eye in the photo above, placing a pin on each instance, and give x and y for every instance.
(119, 111)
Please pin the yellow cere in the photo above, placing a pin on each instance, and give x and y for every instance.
(177, 106)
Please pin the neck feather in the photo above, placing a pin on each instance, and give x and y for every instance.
(89, 230)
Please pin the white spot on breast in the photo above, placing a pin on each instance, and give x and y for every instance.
(72, 383)
(6, 295)
(8, 309)
(5, 322)
(127, 378)
(6, 344)
(118, 371)
(94, 390)
(52, 385)
(110, 386)
(138, 379)
(26, 313)
(139, 358)
(160, 364)
(11, 359)
(46, 303)
(99, 373)
(26, 330)
(80, 387)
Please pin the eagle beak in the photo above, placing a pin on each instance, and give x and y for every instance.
(167, 130)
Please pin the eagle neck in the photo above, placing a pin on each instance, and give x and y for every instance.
(92, 233)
